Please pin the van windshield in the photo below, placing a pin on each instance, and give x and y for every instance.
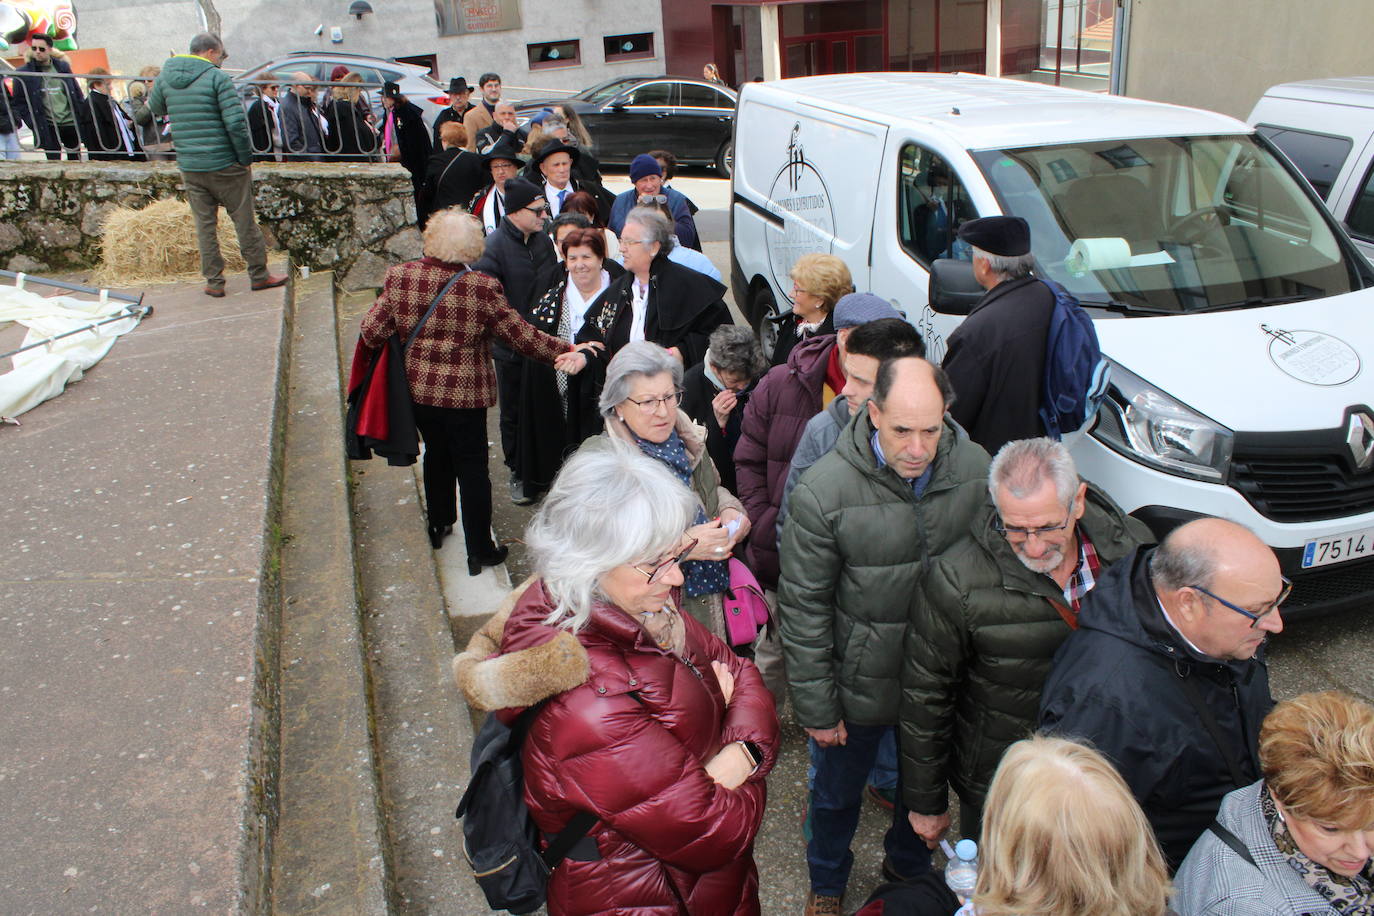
(1170, 225)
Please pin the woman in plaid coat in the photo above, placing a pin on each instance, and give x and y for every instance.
(449, 368)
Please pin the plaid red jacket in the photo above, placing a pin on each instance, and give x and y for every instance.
(449, 365)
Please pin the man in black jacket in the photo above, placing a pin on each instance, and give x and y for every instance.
(1166, 673)
(52, 105)
(996, 357)
(458, 105)
(520, 255)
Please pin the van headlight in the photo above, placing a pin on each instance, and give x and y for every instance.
(1149, 426)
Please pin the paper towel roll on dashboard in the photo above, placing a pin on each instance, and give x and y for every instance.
(1109, 253)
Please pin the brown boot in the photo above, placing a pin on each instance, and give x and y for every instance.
(822, 905)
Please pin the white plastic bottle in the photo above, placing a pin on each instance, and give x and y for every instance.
(961, 874)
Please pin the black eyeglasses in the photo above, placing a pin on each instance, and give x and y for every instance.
(1254, 618)
(661, 569)
(649, 405)
(1016, 534)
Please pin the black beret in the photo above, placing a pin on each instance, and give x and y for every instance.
(1008, 236)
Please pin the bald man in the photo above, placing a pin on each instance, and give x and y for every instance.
(1166, 673)
(901, 485)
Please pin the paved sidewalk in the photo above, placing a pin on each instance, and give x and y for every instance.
(133, 534)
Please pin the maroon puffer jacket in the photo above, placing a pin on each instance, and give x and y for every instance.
(639, 764)
(774, 420)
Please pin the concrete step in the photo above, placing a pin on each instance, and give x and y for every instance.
(329, 851)
(423, 734)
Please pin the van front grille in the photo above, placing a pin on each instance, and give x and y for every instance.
(1300, 477)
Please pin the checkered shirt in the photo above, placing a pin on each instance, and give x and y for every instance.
(449, 365)
(1084, 574)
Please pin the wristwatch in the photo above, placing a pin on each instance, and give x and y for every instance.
(755, 754)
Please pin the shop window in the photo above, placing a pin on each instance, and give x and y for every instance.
(1361, 219)
(932, 202)
(1318, 156)
(639, 46)
(546, 55)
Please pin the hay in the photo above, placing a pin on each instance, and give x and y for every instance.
(157, 244)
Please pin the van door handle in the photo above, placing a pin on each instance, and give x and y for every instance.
(662, 114)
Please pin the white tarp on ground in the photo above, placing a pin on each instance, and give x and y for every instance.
(43, 372)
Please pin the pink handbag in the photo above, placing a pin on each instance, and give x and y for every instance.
(746, 611)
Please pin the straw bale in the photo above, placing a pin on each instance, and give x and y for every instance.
(157, 244)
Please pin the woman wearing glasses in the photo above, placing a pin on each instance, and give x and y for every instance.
(640, 405)
(657, 300)
(1299, 840)
(649, 723)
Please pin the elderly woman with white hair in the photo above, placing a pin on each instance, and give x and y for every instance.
(449, 368)
(640, 405)
(656, 300)
(647, 721)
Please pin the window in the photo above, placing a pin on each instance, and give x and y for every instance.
(547, 54)
(932, 203)
(1361, 219)
(639, 46)
(650, 95)
(1318, 156)
(694, 95)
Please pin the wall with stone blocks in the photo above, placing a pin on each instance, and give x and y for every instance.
(354, 219)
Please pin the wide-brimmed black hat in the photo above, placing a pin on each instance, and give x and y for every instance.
(458, 84)
(391, 90)
(555, 146)
(502, 149)
(1007, 236)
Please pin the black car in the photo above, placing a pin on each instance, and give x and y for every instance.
(692, 119)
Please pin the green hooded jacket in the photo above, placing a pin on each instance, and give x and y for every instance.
(209, 128)
(979, 649)
(854, 549)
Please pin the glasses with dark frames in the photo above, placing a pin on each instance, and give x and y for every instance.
(1013, 533)
(1254, 618)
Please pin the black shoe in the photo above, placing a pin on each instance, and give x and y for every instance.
(437, 533)
(495, 557)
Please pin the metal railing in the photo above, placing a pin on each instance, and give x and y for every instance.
(55, 115)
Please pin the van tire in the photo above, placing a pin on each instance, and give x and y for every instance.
(763, 306)
(725, 159)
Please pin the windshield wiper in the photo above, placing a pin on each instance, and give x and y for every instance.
(1251, 302)
(1125, 308)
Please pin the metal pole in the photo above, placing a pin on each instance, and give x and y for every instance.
(73, 287)
(130, 311)
(1059, 45)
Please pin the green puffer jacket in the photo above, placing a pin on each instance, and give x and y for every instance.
(209, 128)
(979, 649)
(854, 548)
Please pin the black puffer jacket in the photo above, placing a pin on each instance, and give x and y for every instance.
(1118, 682)
(978, 652)
(524, 266)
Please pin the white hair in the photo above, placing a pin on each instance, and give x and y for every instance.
(1023, 466)
(1013, 267)
(637, 358)
(611, 505)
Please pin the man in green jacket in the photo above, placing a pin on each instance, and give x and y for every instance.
(987, 622)
(210, 134)
(865, 522)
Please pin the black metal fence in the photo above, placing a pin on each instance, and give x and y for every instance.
(107, 117)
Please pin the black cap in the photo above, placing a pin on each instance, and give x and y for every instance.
(520, 194)
(555, 146)
(502, 149)
(391, 90)
(458, 84)
(1008, 236)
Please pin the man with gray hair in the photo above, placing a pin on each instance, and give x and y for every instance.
(996, 357)
(1166, 673)
(987, 621)
(214, 153)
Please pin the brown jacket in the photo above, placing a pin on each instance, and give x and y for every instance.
(475, 120)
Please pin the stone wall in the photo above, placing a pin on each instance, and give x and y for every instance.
(354, 219)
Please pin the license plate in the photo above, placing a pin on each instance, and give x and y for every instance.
(1337, 548)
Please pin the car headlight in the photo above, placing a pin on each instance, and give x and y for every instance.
(1149, 426)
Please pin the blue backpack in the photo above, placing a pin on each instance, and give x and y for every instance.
(1076, 374)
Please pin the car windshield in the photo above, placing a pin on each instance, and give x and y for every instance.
(603, 91)
(1169, 225)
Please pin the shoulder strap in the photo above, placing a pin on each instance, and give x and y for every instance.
(1230, 839)
(1210, 723)
(1065, 612)
(432, 306)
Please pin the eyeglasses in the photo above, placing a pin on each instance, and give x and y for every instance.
(538, 211)
(1017, 535)
(624, 242)
(661, 569)
(39, 48)
(653, 198)
(1254, 618)
(651, 405)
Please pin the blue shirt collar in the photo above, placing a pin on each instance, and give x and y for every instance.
(918, 486)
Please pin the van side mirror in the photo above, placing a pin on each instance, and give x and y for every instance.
(953, 290)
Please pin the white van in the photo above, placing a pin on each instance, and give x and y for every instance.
(1235, 312)
(1326, 128)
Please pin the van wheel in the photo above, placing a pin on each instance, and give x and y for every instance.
(765, 307)
(725, 159)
